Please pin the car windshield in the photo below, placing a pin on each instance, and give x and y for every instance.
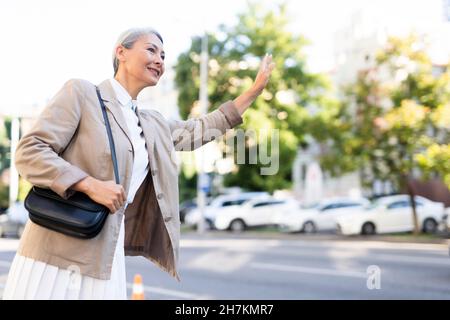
(309, 206)
(374, 204)
(237, 202)
(225, 202)
(380, 202)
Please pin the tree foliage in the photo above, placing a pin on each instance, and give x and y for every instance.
(235, 54)
(390, 117)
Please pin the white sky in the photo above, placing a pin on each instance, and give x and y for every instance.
(46, 42)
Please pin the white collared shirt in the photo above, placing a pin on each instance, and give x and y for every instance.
(140, 163)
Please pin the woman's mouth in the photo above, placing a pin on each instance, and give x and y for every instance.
(155, 72)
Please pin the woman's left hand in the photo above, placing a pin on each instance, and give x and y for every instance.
(262, 78)
(243, 101)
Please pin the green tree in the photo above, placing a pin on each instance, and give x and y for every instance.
(5, 158)
(234, 54)
(435, 159)
(24, 188)
(391, 114)
(406, 125)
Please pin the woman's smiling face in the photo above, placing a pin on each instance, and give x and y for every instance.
(144, 61)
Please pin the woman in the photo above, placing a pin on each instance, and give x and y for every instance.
(67, 150)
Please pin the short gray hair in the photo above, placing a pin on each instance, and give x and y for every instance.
(128, 38)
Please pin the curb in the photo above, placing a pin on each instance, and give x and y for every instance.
(439, 239)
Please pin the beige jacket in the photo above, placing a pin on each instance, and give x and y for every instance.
(69, 142)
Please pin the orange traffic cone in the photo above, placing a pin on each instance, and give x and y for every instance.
(138, 288)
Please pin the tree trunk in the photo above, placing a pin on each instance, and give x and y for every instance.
(413, 206)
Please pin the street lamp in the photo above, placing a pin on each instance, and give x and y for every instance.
(202, 178)
(203, 182)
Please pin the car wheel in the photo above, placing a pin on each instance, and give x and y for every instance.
(237, 225)
(429, 225)
(209, 224)
(309, 227)
(368, 228)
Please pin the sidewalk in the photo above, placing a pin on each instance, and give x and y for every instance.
(441, 238)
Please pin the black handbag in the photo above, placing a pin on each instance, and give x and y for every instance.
(79, 216)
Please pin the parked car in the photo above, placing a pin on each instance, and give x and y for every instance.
(185, 207)
(321, 217)
(261, 211)
(393, 214)
(192, 218)
(12, 223)
(188, 205)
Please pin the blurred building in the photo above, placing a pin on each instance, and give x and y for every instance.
(311, 184)
(370, 26)
(355, 46)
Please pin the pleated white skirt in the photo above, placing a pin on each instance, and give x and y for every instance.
(29, 279)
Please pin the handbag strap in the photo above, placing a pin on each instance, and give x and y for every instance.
(110, 137)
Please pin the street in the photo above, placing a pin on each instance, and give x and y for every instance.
(220, 266)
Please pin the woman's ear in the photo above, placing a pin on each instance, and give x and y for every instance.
(120, 53)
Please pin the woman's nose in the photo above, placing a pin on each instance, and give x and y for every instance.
(159, 60)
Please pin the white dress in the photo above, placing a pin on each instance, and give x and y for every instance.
(31, 279)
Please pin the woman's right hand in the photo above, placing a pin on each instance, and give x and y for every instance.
(107, 193)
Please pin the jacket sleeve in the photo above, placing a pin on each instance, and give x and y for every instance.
(193, 133)
(38, 152)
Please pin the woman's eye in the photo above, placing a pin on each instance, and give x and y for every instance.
(151, 50)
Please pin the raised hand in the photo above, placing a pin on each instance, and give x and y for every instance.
(243, 101)
(265, 70)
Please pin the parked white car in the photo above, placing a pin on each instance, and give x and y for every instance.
(321, 217)
(192, 218)
(393, 214)
(257, 212)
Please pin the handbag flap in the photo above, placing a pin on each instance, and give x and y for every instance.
(55, 213)
(78, 199)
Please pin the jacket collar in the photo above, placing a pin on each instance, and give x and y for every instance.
(107, 91)
(122, 95)
(113, 105)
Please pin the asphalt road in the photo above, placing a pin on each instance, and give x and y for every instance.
(232, 267)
